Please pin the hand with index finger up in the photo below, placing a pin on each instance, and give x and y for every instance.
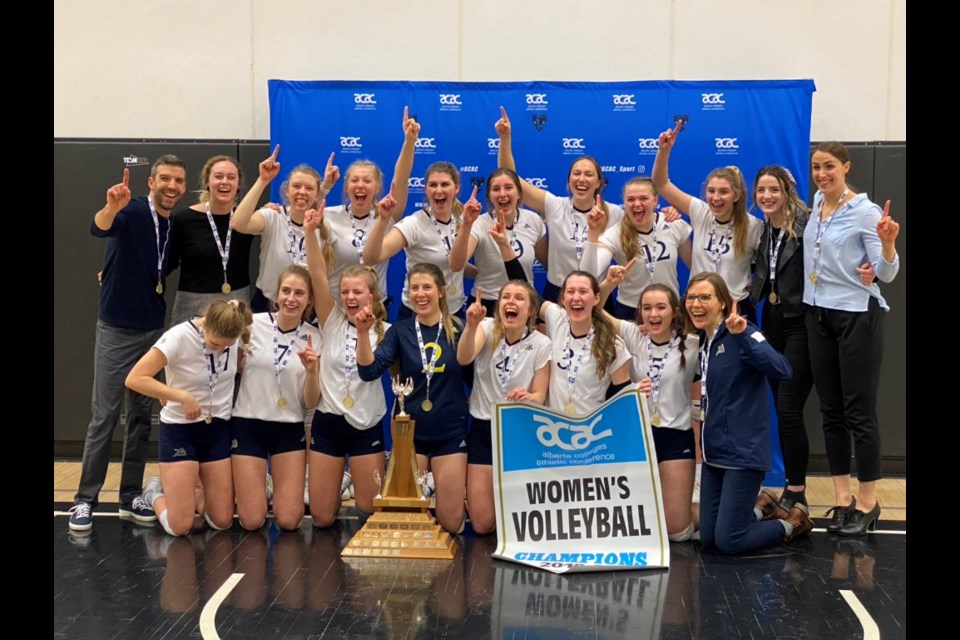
(735, 322)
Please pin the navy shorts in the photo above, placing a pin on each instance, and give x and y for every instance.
(674, 444)
(332, 435)
(437, 448)
(264, 438)
(197, 441)
(480, 448)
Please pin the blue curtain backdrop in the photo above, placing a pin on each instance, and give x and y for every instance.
(744, 123)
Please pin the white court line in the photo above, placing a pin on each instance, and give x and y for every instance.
(208, 617)
(870, 629)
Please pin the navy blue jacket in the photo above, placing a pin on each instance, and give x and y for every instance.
(737, 429)
(448, 417)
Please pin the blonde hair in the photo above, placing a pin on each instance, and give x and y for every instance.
(450, 321)
(377, 176)
(372, 280)
(628, 228)
(205, 176)
(741, 222)
(304, 274)
(229, 319)
(604, 347)
(498, 328)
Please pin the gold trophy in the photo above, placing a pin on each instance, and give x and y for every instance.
(401, 525)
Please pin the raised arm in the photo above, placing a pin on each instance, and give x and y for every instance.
(323, 300)
(311, 384)
(465, 244)
(471, 342)
(247, 219)
(615, 275)
(118, 196)
(887, 231)
(331, 173)
(511, 263)
(379, 248)
(755, 349)
(533, 197)
(400, 185)
(661, 175)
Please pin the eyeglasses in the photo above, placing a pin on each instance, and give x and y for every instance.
(703, 298)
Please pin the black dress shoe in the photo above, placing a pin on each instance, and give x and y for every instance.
(858, 523)
(790, 498)
(840, 516)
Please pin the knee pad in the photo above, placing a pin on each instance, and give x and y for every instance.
(683, 536)
(165, 523)
(206, 516)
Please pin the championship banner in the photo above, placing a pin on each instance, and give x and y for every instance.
(578, 493)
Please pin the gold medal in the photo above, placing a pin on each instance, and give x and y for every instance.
(813, 277)
(226, 287)
(655, 420)
(208, 419)
(773, 298)
(569, 408)
(426, 405)
(281, 403)
(160, 288)
(348, 401)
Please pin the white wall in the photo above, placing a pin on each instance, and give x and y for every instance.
(199, 68)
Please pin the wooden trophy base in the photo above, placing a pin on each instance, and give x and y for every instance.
(401, 534)
(401, 525)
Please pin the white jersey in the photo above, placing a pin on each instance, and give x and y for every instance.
(712, 238)
(260, 386)
(429, 240)
(572, 358)
(339, 378)
(658, 252)
(188, 369)
(281, 245)
(675, 394)
(523, 235)
(568, 235)
(348, 236)
(501, 368)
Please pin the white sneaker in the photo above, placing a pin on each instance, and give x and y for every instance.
(346, 486)
(269, 487)
(696, 485)
(151, 491)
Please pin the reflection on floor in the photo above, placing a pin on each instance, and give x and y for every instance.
(124, 580)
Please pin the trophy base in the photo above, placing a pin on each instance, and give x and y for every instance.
(401, 534)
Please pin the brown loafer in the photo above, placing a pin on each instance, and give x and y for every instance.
(770, 507)
(799, 517)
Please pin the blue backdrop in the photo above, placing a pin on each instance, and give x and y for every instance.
(743, 123)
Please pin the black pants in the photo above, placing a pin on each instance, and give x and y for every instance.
(789, 337)
(846, 349)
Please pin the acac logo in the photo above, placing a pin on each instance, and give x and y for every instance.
(573, 143)
(493, 143)
(537, 98)
(350, 142)
(648, 143)
(539, 183)
(450, 99)
(727, 143)
(364, 98)
(415, 183)
(712, 98)
(625, 100)
(425, 143)
(579, 436)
